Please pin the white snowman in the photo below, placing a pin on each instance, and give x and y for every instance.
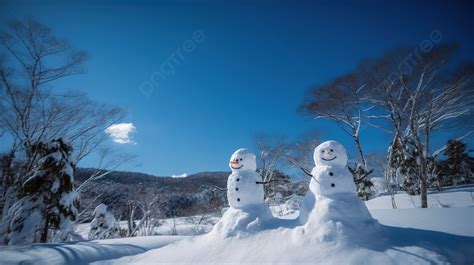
(248, 212)
(243, 185)
(333, 193)
(331, 176)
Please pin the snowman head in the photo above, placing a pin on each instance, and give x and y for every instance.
(242, 159)
(330, 153)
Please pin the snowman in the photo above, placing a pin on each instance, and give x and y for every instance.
(248, 212)
(330, 175)
(333, 194)
(244, 187)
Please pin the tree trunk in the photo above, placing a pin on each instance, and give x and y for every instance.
(44, 232)
(359, 150)
(423, 193)
(423, 183)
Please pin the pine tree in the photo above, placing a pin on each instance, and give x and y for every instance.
(403, 161)
(48, 200)
(104, 224)
(458, 167)
(8, 184)
(410, 168)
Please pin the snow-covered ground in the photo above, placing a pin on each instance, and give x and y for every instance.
(451, 197)
(181, 226)
(451, 211)
(443, 234)
(82, 252)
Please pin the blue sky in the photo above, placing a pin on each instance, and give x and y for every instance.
(246, 75)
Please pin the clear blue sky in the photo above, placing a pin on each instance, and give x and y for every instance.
(249, 74)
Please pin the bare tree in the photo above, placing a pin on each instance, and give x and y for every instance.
(32, 59)
(30, 109)
(147, 205)
(345, 101)
(108, 162)
(278, 158)
(270, 151)
(299, 154)
(31, 53)
(419, 99)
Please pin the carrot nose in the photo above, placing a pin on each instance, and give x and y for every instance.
(234, 162)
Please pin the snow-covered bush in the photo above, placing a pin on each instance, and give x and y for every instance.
(104, 224)
(365, 187)
(48, 203)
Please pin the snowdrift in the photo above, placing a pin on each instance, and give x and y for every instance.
(327, 238)
(301, 245)
(83, 252)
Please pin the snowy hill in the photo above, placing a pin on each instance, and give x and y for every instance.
(410, 236)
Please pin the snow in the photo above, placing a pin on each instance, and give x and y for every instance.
(81, 252)
(411, 236)
(459, 197)
(299, 244)
(237, 222)
(68, 171)
(100, 209)
(68, 198)
(184, 226)
(181, 226)
(457, 221)
(23, 217)
(55, 186)
(104, 224)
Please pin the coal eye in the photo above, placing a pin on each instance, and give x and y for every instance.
(241, 159)
(332, 150)
(322, 151)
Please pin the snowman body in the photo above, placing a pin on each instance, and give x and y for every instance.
(330, 180)
(242, 188)
(336, 203)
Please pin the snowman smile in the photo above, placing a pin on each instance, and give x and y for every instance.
(236, 167)
(331, 159)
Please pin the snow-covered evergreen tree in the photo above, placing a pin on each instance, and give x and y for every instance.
(458, 166)
(403, 162)
(104, 224)
(48, 205)
(410, 167)
(360, 175)
(8, 171)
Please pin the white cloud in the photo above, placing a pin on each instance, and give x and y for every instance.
(180, 176)
(120, 132)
